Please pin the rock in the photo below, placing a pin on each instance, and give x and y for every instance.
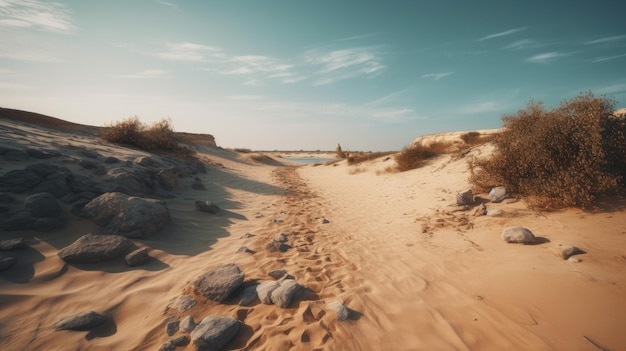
(566, 251)
(93, 248)
(12, 244)
(207, 206)
(6, 262)
(137, 257)
(281, 238)
(247, 236)
(19, 181)
(274, 246)
(283, 296)
(213, 333)
(43, 205)
(80, 321)
(480, 210)
(167, 346)
(137, 182)
(56, 184)
(187, 325)
(495, 212)
(24, 221)
(325, 221)
(145, 161)
(172, 327)
(498, 194)
(219, 283)
(277, 273)
(339, 308)
(133, 217)
(198, 185)
(249, 295)
(182, 303)
(167, 178)
(245, 249)
(265, 289)
(182, 340)
(518, 235)
(111, 160)
(465, 198)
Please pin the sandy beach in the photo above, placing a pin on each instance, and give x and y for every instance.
(414, 271)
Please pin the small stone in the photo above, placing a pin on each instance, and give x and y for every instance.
(265, 289)
(498, 194)
(566, 251)
(277, 220)
(182, 303)
(465, 198)
(182, 340)
(281, 238)
(284, 295)
(277, 274)
(207, 206)
(198, 185)
(12, 244)
(519, 235)
(172, 327)
(325, 221)
(187, 325)
(220, 282)
(6, 262)
(245, 249)
(168, 346)
(247, 236)
(80, 321)
(274, 246)
(137, 257)
(340, 309)
(495, 212)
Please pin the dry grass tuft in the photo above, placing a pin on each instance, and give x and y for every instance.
(416, 155)
(158, 137)
(557, 158)
(358, 157)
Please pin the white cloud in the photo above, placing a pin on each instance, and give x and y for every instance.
(502, 34)
(150, 73)
(523, 44)
(28, 55)
(437, 76)
(606, 39)
(49, 16)
(611, 89)
(480, 107)
(344, 64)
(393, 115)
(546, 57)
(167, 3)
(188, 52)
(245, 97)
(607, 58)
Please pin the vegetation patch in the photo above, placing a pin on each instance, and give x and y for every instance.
(415, 156)
(566, 156)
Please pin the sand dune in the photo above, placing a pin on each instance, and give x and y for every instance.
(415, 273)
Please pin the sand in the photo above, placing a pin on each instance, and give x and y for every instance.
(415, 273)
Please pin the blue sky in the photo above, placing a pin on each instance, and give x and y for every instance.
(291, 75)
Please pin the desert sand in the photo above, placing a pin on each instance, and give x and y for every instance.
(415, 271)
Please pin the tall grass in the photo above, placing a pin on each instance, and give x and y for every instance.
(562, 157)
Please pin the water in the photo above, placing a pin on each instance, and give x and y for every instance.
(309, 159)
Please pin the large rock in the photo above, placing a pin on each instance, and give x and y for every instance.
(340, 309)
(134, 217)
(284, 295)
(56, 184)
(80, 321)
(518, 235)
(213, 333)
(565, 251)
(219, 283)
(93, 248)
(137, 257)
(12, 244)
(43, 205)
(136, 182)
(265, 289)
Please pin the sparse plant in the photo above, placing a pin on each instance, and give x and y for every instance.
(358, 157)
(416, 155)
(339, 153)
(158, 137)
(562, 157)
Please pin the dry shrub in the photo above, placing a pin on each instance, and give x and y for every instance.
(158, 137)
(476, 138)
(557, 158)
(415, 156)
(356, 158)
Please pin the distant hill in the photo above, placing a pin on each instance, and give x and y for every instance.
(59, 124)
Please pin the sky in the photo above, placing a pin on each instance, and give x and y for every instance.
(307, 75)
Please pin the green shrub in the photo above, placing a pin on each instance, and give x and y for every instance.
(416, 155)
(562, 157)
(158, 137)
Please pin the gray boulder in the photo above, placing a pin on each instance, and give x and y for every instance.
(12, 244)
(518, 235)
(133, 217)
(265, 289)
(249, 295)
(137, 182)
(182, 303)
(498, 194)
(340, 309)
(43, 205)
(168, 178)
(566, 251)
(56, 184)
(465, 198)
(172, 327)
(137, 257)
(213, 333)
(277, 273)
(284, 295)
(80, 321)
(219, 283)
(93, 248)
(187, 325)
(6, 262)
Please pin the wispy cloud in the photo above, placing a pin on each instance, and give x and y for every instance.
(480, 107)
(25, 54)
(167, 3)
(189, 52)
(523, 44)
(607, 58)
(611, 89)
(49, 16)
(342, 64)
(147, 74)
(437, 76)
(394, 115)
(502, 34)
(245, 97)
(546, 57)
(606, 40)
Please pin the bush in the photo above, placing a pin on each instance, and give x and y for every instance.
(415, 156)
(158, 137)
(356, 158)
(557, 158)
